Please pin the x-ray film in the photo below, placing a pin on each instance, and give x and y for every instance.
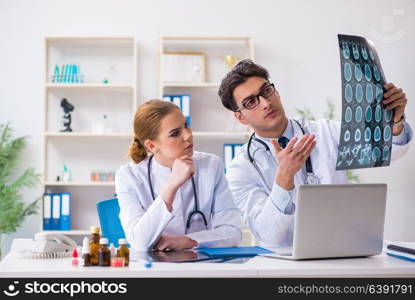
(366, 130)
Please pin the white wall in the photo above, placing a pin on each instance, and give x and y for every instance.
(295, 40)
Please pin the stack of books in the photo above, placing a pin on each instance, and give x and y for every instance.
(67, 74)
(402, 250)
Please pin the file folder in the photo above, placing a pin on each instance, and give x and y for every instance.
(167, 98)
(186, 108)
(230, 151)
(65, 211)
(177, 101)
(56, 211)
(227, 154)
(234, 251)
(401, 255)
(236, 148)
(47, 212)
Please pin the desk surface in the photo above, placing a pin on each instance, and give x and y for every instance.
(374, 266)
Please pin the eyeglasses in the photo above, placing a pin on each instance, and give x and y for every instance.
(252, 101)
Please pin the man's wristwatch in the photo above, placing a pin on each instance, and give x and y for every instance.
(400, 122)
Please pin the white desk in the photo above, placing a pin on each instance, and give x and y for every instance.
(375, 266)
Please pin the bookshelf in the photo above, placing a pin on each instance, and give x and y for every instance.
(104, 103)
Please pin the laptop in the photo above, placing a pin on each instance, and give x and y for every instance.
(336, 221)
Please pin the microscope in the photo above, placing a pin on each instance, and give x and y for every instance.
(67, 109)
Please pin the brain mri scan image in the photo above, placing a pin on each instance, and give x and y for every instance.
(368, 73)
(378, 113)
(377, 134)
(358, 114)
(359, 93)
(375, 153)
(348, 93)
(388, 115)
(364, 53)
(347, 72)
(357, 72)
(348, 115)
(387, 133)
(368, 134)
(369, 93)
(379, 93)
(357, 135)
(347, 136)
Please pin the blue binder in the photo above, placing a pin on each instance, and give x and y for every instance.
(176, 99)
(235, 251)
(186, 108)
(65, 220)
(403, 256)
(56, 211)
(229, 152)
(227, 155)
(47, 211)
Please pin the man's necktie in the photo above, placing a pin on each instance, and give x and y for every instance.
(283, 141)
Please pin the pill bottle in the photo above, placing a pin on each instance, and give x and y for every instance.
(123, 251)
(104, 254)
(94, 244)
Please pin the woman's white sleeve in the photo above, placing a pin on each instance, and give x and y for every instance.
(142, 227)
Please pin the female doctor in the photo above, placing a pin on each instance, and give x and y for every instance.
(170, 196)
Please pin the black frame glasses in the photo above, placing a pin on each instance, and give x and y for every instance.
(252, 101)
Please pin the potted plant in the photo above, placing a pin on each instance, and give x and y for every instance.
(13, 209)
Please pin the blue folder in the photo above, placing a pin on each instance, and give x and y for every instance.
(56, 211)
(65, 220)
(47, 212)
(407, 258)
(234, 251)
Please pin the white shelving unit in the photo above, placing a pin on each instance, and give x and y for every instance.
(109, 66)
(212, 124)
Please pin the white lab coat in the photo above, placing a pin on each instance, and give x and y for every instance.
(145, 220)
(268, 224)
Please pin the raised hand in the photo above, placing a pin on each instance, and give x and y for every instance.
(292, 158)
(183, 169)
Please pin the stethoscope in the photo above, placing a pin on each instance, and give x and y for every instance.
(311, 178)
(196, 211)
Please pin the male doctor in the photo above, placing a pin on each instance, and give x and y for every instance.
(284, 153)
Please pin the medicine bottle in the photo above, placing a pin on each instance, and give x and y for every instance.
(104, 254)
(75, 261)
(123, 251)
(94, 245)
(86, 253)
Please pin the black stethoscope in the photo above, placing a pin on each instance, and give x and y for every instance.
(196, 211)
(311, 178)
